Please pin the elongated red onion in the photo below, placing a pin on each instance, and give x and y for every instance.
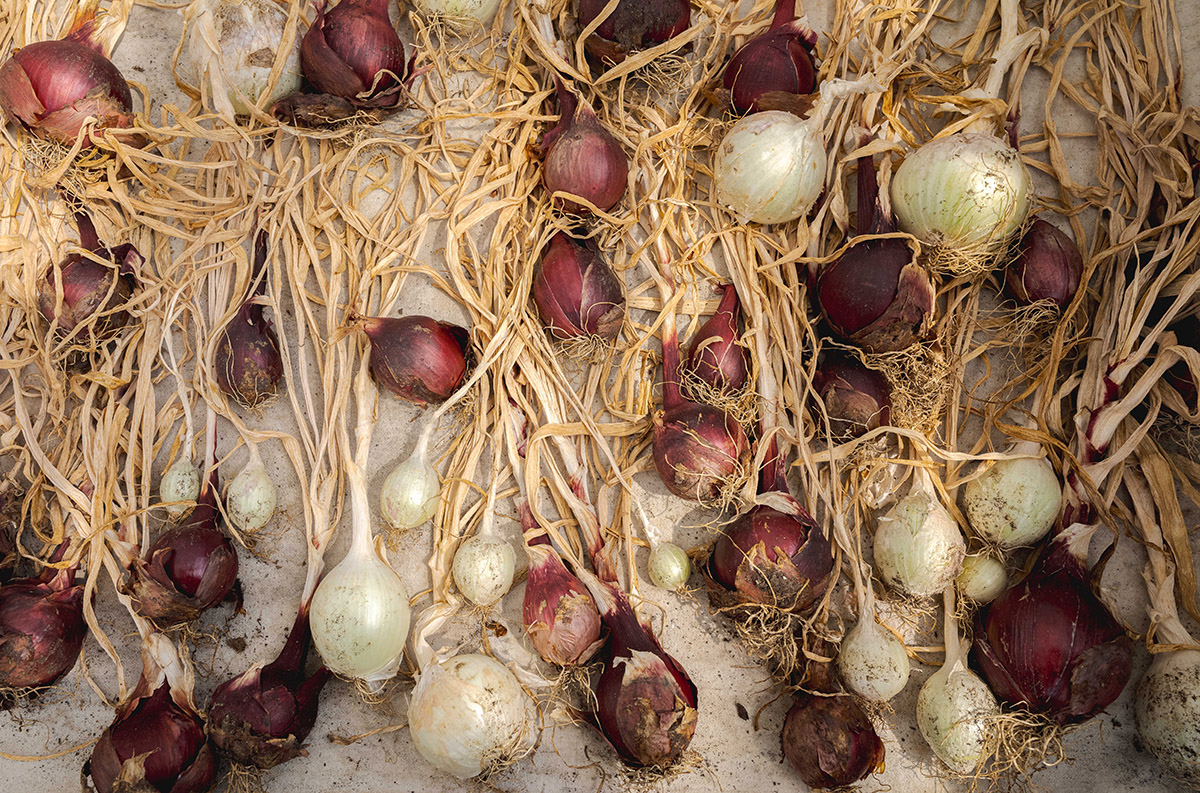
(875, 295)
(633, 25)
(156, 742)
(54, 87)
(352, 52)
(1049, 643)
(576, 291)
(247, 362)
(188, 569)
(715, 356)
(856, 398)
(41, 629)
(261, 717)
(582, 158)
(417, 358)
(1047, 266)
(774, 67)
(80, 288)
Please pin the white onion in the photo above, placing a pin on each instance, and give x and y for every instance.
(410, 493)
(1014, 502)
(1167, 706)
(982, 578)
(872, 662)
(480, 11)
(251, 499)
(483, 569)
(956, 713)
(918, 547)
(968, 192)
(669, 566)
(468, 714)
(770, 167)
(179, 483)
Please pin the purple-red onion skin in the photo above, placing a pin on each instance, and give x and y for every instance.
(583, 158)
(1047, 266)
(715, 356)
(697, 450)
(41, 631)
(576, 292)
(768, 558)
(559, 613)
(773, 66)
(633, 25)
(90, 288)
(247, 361)
(857, 399)
(417, 358)
(177, 755)
(1049, 644)
(352, 51)
(830, 741)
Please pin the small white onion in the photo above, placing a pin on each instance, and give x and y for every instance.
(483, 569)
(872, 662)
(360, 617)
(669, 566)
(469, 713)
(968, 191)
(251, 499)
(1014, 502)
(918, 547)
(982, 578)
(480, 11)
(410, 493)
(770, 167)
(956, 712)
(179, 483)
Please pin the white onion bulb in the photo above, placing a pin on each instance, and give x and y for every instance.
(469, 713)
(483, 569)
(918, 547)
(480, 11)
(669, 566)
(410, 493)
(1014, 502)
(179, 483)
(956, 712)
(360, 617)
(251, 498)
(232, 45)
(770, 167)
(872, 662)
(1167, 706)
(982, 578)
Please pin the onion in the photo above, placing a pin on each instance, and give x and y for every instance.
(251, 498)
(669, 566)
(774, 66)
(770, 167)
(583, 159)
(480, 11)
(982, 578)
(417, 358)
(483, 568)
(469, 713)
(872, 661)
(716, 357)
(1048, 266)
(632, 25)
(233, 46)
(81, 290)
(246, 360)
(856, 399)
(412, 491)
(1048, 643)
(918, 547)
(41, 629)
(179, 487)
(559, 614)
(1014, 502)
(576, 292)
(352, 52)
(875, 295)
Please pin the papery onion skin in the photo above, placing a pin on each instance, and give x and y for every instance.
(576, 291)
(830, 741)
(918, 546)
(1047, 266)
(410, 493)
(582, 158)
(352, 51)
(1167, 707)
(955, 713)
(669, 566)
(1015, 502)
(483, 569)
(559, 613)
(247, 362)
(872, 662)
(481, 11)
(251, 498)
(769, 167)
(715, 356)
(982, 578)
(633, 25)
(774, 65)
(857, 399)
(41, 629)
(698, 449)
(90, 288)
(417, 358)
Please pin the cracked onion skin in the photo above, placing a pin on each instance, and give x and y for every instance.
(857, 399)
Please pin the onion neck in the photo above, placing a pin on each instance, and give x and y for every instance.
(89, 240)
(295, 650)
(360, 512)
(954, 648)
(672, 397)
(785, 12)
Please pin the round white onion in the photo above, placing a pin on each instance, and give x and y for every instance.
(770, 167)
(360, 617)
(483, 569)
(179, 483)
(251, 499)
(872, 662)
(982, 578)
(968, 191)
(410, 493)
(918, 547)
(469, 713)
(480, 11)
(1014, 502)
(669, 566)
(1167, 707)
(956, 713)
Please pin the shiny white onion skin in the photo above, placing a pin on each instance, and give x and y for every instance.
(669, 566)
(251, 498)
(968, 191)
(180, 482)
(467, 712)
(872, 662)
(982, 579)
(483, 569)
(1167, 707)
(770, 167)
(918, 547)
(1015, 502)
(410, 494)
(480, 11)
(956, 712)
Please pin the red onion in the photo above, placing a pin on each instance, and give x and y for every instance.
(53, 87)
(582, 157)
(856, 398)
(188, 569)
(352, 52)
(247, 361)
(80, 288)
(715, 356)
(1048, 643)
(875, 295)
(41, 628)
(775, 66)
(633, 25)
(560, 616)
(576, 292)
(261, 717)
(156, 742)
(1047, 266)
(417, 358)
